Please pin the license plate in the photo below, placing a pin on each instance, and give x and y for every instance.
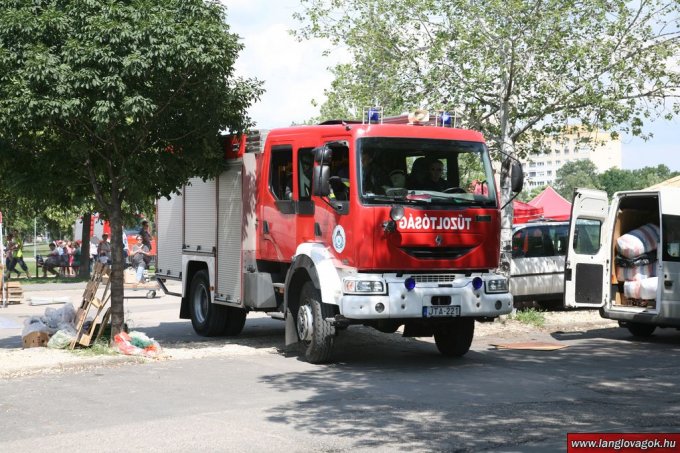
(441, 311)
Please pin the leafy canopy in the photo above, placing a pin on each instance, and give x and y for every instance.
(123, 97)
(120, 100)
(517, 70)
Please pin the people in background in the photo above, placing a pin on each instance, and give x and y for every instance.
(104, 250)
(52, 261)
(9, 256)
(139, 254)
(19, 255)
(146, 240)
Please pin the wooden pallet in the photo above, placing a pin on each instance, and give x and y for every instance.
(86, 335)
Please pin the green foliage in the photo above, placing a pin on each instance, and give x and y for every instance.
(115, 102)
(527, 195)
(577, 173)
(520, 71)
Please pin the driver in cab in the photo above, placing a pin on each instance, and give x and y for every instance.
(434, 180)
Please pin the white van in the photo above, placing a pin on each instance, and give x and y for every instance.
(638, 287)
(537, 265)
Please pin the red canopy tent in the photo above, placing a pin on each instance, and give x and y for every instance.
(554, 206)
(524, 212)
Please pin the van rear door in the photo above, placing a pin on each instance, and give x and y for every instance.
(586, 270)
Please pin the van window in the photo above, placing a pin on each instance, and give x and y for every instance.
(671, 237)
(540, 241)
(587, 236)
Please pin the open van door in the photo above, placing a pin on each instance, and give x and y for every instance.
(586, 269)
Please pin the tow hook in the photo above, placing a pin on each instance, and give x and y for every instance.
(339, 321)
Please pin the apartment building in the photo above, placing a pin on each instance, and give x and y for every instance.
(579, 144)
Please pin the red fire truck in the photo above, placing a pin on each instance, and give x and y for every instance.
(340, 224)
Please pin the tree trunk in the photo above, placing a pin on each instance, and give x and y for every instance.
(85, 246)
(506, 217)
(116, 277)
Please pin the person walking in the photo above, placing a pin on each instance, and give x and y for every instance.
(10, 245)
(19, 255)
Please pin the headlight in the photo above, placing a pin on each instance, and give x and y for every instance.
(352, 286)
(498, 285)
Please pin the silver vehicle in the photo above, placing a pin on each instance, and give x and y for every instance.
(537, 266)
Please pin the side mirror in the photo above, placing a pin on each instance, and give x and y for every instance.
(516, 177)
(322, 171)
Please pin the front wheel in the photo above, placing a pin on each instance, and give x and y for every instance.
(640, 330)
(454, 339)
(314, 331)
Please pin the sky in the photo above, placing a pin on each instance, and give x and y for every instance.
(294, 73)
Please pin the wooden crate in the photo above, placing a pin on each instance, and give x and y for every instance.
(14, 294)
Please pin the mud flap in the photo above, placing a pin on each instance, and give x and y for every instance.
(291, 329)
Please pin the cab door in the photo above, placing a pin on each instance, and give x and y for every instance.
(588, 260)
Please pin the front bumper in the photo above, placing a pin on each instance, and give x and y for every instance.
(400, 303)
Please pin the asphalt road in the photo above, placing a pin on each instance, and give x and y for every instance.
(384, 393)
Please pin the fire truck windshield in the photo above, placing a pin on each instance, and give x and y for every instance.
(413, 170)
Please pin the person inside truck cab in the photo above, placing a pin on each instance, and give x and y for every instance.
(372, 180)
(435, 181)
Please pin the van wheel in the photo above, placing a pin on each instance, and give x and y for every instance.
(207, 318)
(454, 339)
(640, 330)
(314, 331)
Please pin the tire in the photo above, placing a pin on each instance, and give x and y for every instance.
(208, 319)
(319, 346)
(640, 330)
(454, 339)
(236, 319)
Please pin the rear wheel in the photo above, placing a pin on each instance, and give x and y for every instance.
(314, 331)
(454, 339)
(236, 319)
(207, 318)
(640, 330)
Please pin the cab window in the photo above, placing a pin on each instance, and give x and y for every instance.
(281, 173)
(305, 166)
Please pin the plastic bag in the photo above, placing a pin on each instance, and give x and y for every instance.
(61, 339)
(127, 344)
(34, 324)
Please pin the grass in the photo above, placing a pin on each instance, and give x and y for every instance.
(100, 347)
(530, 316)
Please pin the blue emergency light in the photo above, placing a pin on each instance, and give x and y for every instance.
(373, 115)
(447, 119)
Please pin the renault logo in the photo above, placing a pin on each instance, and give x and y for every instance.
(438, 240)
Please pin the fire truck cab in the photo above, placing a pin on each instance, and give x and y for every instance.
(338, 224)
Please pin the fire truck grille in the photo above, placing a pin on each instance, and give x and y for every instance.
(436, 253)
(435, 278)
